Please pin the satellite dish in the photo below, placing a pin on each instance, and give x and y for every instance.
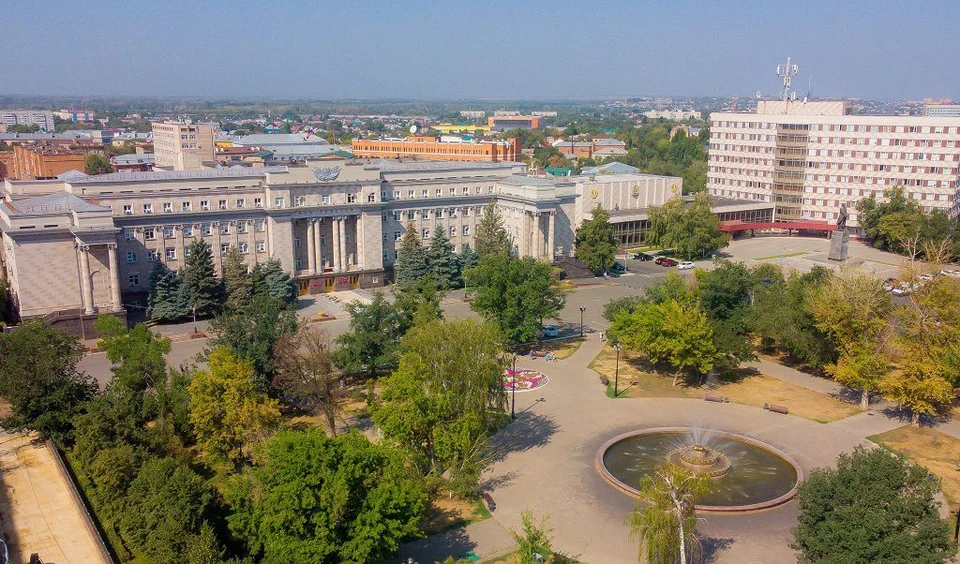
(413, 129)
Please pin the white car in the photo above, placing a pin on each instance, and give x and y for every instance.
(686, 265)
(550, 332)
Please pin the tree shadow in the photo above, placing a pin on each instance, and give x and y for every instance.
(529, 430)
(711, 547)
(847, 395)
(897, 412)
(436, 548)
(492, 483)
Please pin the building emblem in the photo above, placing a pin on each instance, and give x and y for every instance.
(636, 191)
(327, 173)
(673, 187)
(594, 193)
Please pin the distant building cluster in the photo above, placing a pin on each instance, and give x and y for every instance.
(42, 119)
(678, 115)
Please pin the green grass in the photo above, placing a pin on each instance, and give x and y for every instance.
(785, 255)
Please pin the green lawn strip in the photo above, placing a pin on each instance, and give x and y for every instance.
(785, 255)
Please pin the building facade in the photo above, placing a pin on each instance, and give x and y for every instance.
(941, 110)
(504, 122)
(42, 119)
(183, 146)
(42, 162)
(89, 243)
(808, 158)
(509, 150)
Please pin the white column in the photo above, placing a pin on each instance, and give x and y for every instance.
(114, 277)
(335, 243)
(551, 247)
(86, 284)
(537, 236)
(317, 224)
(311, 247)
(361, 241)
(344, 259)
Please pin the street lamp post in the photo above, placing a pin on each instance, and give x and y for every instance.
(582, 309)
(616, 377)
(513, 392)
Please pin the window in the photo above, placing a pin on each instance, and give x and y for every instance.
(149, 234)
(439, 192)
(205, 205)
(396, 235)
(153, 256)
(424, 193)
(171, 253)
(261, 247)
(439, 213)
(396, 194)
(278, 203)
(466, 229)
(222, 205)
(131, 256)
(242, 247)
(241, 203)
(383, 194)
(410, 214)
(168, 232)
(260, 225)
(300, 201)
(147, 208)
(224, 228)
(128, 235)
(296, 242)
(396, 216)
(185, 206)
(224, 249)
(384, 217)
(168, 207)
(426, 233)
(258, 202)
(241, 227)
(325, 199)
(372, 197)
(466, 212)
(453, 191)
(207, 229)
(133, 280)
(351, 198)
(410, 193)
(453, 231)
(188, 231)
(465, 191)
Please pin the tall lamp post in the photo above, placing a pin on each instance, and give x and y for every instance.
(582, 309)
(513, 391)
(616, 377)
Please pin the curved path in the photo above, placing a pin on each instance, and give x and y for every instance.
(545, 462)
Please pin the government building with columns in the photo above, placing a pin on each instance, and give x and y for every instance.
(84, 244)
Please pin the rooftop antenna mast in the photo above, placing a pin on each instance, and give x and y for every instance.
(788, 70)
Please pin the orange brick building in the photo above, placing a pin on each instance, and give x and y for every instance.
(431, 148)
(45, 162)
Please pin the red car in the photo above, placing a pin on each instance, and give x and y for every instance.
(668, 262)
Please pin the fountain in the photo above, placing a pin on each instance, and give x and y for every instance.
(745, 474)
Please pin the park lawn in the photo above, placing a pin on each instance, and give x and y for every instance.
(444, 513)
(561, 348)
(785, 255)
(638, 380)
(939, 453)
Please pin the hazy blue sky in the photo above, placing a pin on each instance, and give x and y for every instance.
(477, 49)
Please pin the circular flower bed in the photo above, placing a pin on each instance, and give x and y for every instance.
(526, 379)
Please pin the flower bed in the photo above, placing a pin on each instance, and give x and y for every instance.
(526, 380)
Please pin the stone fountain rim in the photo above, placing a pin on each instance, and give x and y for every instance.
(633, 492)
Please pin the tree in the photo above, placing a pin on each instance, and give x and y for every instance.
(272, 280)
(533, 541)
(853, 308)
(96, 164)
(321, 499)
(40, 380)
(442, 261)
(515, 294)
(437, 404)
(690, 230)
(137, 354)
(169, 298)
(236, 280)
(373, 342)
(491, 238)
(468, 258)
(665, 518)
(669, 333)
(416, 304)
(594, 241)
(724, 294)
(206, 292)
(227, 412)
(307, 375)
(411, 263)
(900, 225)
(6, 302)
(874, 507)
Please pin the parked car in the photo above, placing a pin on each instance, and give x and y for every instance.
(550, 331)
(618, 267)
(668, 262)
(686, 265)
(641, 257)
(659, 260)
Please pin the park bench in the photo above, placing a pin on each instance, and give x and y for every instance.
(776, 408)
(538, 354)
(716, 398)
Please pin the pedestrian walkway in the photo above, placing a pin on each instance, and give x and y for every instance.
(487, 539)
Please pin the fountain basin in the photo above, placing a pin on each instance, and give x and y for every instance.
(745, 474)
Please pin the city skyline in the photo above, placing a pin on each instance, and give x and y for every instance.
(555, 51)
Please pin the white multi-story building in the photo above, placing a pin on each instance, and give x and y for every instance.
(672, 114)
(941, 110)
(183, 146)
(808, 158)
(27, 117)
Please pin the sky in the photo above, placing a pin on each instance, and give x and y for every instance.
(475, 49)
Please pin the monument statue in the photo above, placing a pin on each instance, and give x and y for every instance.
(842, 218)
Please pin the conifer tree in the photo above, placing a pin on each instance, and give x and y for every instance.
(468, 258)
(491, 237)
(206, 291)
(411, 262)
(236, 279)
(169, 297)
(278, 283)
(443, 263)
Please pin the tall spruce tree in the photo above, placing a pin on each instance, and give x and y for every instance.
(206, 291)
(411, 262)
(169, 298)
(277, 283)
(468, 258)
(443, 263)
(491, 237)
(236, 279)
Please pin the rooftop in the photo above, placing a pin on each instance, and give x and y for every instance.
(281, 139)
(54, 204)
(179, 174)
(400, 166)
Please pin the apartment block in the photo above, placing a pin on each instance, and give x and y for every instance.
(809, 158)
(446, 149)
(183, 146)
(43, 119)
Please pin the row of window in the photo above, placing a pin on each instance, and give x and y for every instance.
(171, 252)
(425, 214)
(839, 127)
(206, 229)
(186, 206)
(438, 192)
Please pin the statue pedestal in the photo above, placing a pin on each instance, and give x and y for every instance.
(839, 244)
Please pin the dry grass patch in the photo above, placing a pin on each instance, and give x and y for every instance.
(639, 379)
(444, 513)
(561, 348)
(937, 452)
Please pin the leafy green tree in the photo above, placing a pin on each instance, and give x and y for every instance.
(206, 291)
(307, 375)
(137, 354)
(321, 499)
(671, 287)
(665, 518)
(373, 341)
(437, 405)
(417, 303)
(252, 332)
(6, 302)
(167, 508)
(690, 230)
(95, 163)
(411, 263)
(169, 298)
(669, 333)
(594, 241)
(40, 380)
(491, 238)
(443, 262)
(227, 411)
(724, 294)
(236, 280)
(900, 225)
(515, 294)
(533, 542)
(873, 507)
